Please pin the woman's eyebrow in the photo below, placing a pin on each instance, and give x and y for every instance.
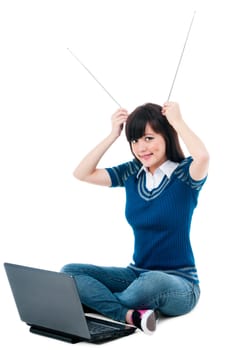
(149, 134)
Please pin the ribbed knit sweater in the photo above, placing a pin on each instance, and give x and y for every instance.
(160, 218)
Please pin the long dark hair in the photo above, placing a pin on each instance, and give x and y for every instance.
(150, 113)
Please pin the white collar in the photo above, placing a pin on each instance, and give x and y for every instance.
(166, 168)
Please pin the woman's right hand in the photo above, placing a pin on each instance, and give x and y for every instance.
(117, 120)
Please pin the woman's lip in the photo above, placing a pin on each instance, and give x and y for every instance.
(146, 156)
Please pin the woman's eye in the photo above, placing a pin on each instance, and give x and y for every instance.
(149, 138)
(134, 141)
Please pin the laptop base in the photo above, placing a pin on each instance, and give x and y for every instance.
(55, 334)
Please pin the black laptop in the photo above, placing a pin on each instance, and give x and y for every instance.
(49, 303)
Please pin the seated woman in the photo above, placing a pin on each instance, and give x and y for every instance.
(162, 188)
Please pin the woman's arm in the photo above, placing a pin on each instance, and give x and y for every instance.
(195, 146)
(87, 169)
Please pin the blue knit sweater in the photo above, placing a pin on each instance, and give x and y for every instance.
(161, 218)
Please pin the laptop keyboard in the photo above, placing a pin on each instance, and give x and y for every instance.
(96, 328)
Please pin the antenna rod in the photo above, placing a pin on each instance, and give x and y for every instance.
(178, 66)
(93, 77)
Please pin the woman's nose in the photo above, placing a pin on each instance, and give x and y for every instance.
(141, 145)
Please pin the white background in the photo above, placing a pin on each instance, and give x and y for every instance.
(52, 113)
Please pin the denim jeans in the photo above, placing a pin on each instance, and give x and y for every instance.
(112, 291)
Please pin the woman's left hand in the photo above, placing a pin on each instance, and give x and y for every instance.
(171, 111)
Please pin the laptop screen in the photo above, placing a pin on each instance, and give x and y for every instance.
(47, 299)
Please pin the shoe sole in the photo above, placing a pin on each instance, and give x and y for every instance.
(148, 322)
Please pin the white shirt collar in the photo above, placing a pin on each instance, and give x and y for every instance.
(153, 180)
(167, 168)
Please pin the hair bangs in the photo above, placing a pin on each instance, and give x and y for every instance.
(137, 122)
(137, 126)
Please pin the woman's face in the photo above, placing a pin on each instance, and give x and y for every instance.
(150, 149)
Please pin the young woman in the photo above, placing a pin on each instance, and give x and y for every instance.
(162, 188)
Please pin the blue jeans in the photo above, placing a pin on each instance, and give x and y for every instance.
(112, 291)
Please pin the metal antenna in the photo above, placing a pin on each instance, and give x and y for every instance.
(181, 56)
(94, 77)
